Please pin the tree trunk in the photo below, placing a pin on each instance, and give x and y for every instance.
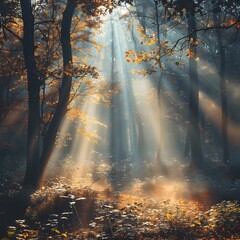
(35, 164)
(160, 102)
(114, 139)
(4, 97)
(187, 145)
(224, 105)
(196, 151)
(64, 94)
(33, 132)
(2, 104)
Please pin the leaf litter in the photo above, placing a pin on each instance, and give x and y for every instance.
(83, 213)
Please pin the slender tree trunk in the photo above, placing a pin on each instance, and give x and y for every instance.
(196, 151)
(64, 95)
(224, 105)
(33, 132)
(2, 105)
(187, 145)
(132, 125)
(160, 112)
(4, 98)
(160, 103)
(114, 139)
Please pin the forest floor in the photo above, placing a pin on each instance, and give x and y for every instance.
(199, 207)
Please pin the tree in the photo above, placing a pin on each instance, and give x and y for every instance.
(222, 73)
(33, 134)
(37, 161)
(195, 139)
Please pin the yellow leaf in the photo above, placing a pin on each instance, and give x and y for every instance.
(55, 230)
(64, 234)
(197, 222)
(169, 216)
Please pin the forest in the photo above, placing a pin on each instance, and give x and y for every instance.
(119, 119)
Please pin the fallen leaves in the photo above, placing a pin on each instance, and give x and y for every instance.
(58, 212)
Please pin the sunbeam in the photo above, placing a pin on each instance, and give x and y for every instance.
(212, 111)
(119, 119)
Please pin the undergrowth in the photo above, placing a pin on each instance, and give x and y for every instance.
(62, 211)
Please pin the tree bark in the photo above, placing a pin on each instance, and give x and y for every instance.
(196, 151)
(64, 94)
(224, 105)
(36, 164)
(159, 159)
(33, 132)
(187, 145)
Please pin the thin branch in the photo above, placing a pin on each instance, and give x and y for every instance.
(13, 33)
(199, 30)
(43, 22)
